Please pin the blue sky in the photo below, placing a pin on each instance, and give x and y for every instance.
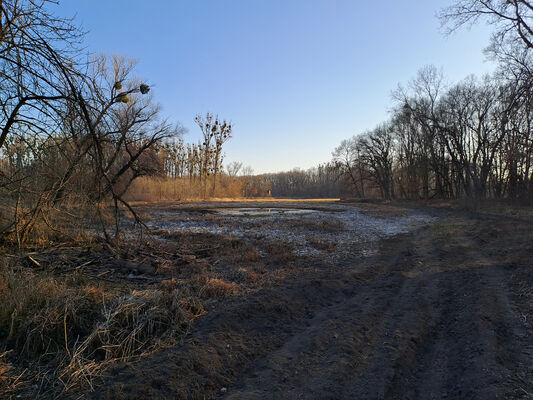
(295, 76)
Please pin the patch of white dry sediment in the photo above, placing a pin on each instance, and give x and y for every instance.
(353, 232)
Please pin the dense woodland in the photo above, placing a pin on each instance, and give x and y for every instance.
(79, 133)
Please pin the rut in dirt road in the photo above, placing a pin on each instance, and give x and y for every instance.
(430, 327)
(439, 313)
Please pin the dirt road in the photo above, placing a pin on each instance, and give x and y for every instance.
(445, 312)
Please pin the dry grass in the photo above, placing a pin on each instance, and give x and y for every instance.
(320, 243)
(214, 201)
(29, 227)
(508, 209)
(69, 331)
(10, 378)
(156, 189)
(217, 287)
(34, 311)
(271, 200)
(277, 252)
(133, 325)
(245, 275)
(211, 246)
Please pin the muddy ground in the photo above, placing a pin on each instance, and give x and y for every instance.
(440, 311)
(277, 300)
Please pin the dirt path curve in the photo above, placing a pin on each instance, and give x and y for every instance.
(441, 313)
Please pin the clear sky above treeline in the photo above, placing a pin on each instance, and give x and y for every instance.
(295, 76)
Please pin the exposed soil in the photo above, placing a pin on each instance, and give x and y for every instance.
(445, 311)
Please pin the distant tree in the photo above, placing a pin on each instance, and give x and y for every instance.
(472, 140)
(320, 181)
(233, 168)
(349, 163)
(215, 133)
(247, 171)
(378, 152)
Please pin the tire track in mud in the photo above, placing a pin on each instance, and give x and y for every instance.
(445, 334)
(339, 347)
(432, 316)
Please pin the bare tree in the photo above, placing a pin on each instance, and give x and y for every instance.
(233, 168)
(36, 49)
(120, 127)
(97, 140)
(513, 18)
(421, 152)
(378, 152)
(247, 171)
(349, 162)
(215, 133)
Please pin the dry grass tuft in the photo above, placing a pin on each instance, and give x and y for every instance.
(133, 325)
(216, 287)
(244, 253)
(8, 378)
(381, 210)
(34, 311)
(245, 275)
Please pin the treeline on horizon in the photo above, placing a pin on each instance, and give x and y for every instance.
(468, 140)
(472, 140)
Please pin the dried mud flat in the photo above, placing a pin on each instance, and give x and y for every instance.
(442, 307)
(329, 231)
